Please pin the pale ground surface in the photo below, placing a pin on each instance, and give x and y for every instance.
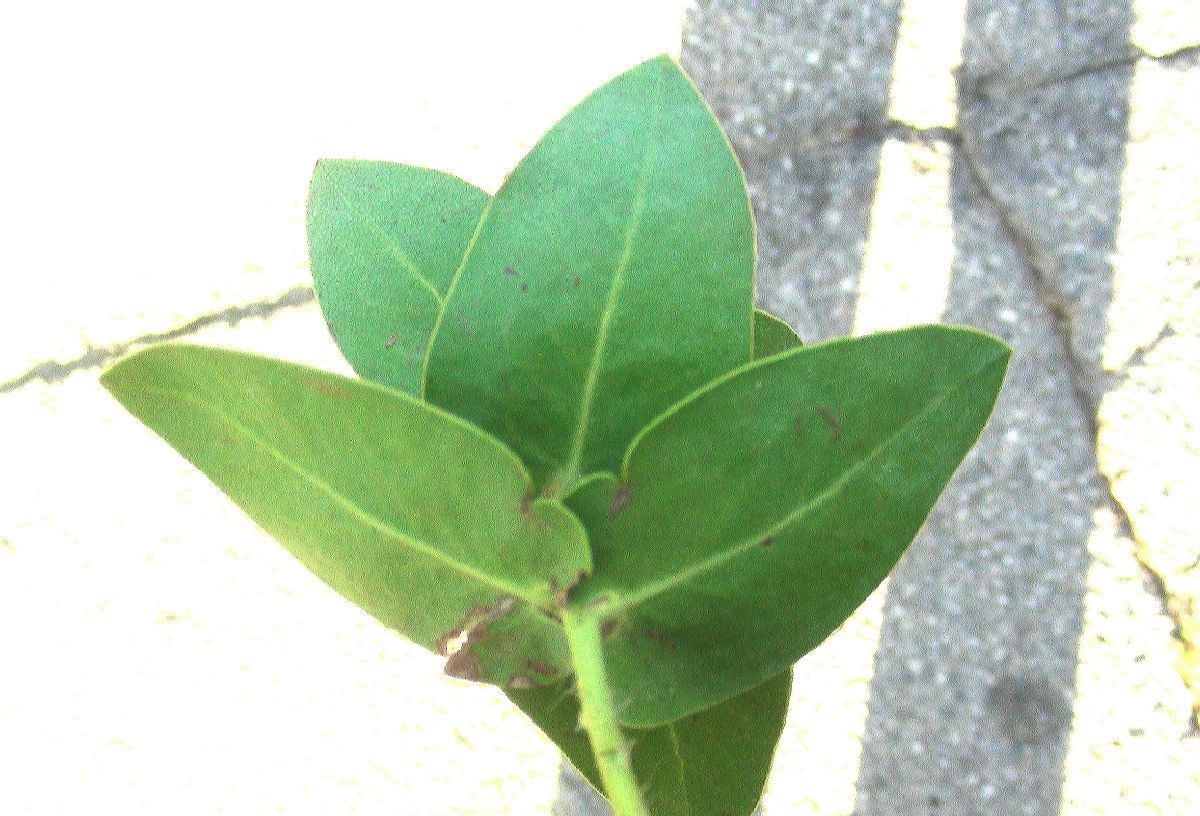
(159, 654)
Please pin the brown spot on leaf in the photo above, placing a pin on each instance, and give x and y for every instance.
(226, 440)
(576, 282)
(607, 628)
(508, 270)
(391, 341)
(504, 605)
(531, 518)
(560, 595)
(519, 681)
(828, 416)
(539, 667)
(524, 287)
(464, 665)
(799, 427)
(475, 623)
(447, 640)
(766, 543)
(620, 499)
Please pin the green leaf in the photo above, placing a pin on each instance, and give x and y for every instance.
(417, 517)
(384, 242)
(751, 519)
(707, 764)
(610, 276)
(712, 763)
(771, 335)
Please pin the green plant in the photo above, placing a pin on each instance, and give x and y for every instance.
(579, 464)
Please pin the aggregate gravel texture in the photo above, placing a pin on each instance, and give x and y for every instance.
(970, 706)
(1094, 178)
(1021, 43)
(1031, 654)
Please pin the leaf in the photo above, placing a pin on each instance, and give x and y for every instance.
(751, 519)
(417, 517)
(367, 222)
(712, 763)
(771, 335)
(384, 242)
(611, 275)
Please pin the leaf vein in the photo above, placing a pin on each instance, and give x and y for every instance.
(687, 799)
(571, 469)
(392, 247)
(437, 323)
(669, 582)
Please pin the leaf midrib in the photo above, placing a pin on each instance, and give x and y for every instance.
(379, 525)
(392, 247)
(570, 472)
(620, 604)
(683, 786)
(462, 264)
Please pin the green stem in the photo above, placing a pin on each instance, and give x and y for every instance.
(598, 715)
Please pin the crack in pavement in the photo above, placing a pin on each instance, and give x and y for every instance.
(1138, 358)
(1035, 264)
(982, 88)
(972, 90)
(1183, 53)
(1037, 258)
(861, 131)
(53, 371)
(899, 130)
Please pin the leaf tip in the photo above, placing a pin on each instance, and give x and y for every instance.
(118, 376)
